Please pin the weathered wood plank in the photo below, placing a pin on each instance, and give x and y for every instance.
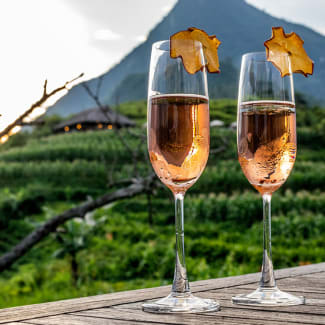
(304, 283)
(320, 275)
(239, 290)
(312, 269)
(226, 315)
(15, 323)
(301, 290)
(24, 313)
(145, 318)
(312, 306)
(74, 305)
(19, 323)
(309, 282)
(79, 320)
(314, 303)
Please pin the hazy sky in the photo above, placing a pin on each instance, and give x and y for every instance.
(307, 12)
(59, 39)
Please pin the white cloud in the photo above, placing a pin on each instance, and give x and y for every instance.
(59, 39)
(309, 13)
(140, 38)
(106, 35)
(166, 8)
(41, 48)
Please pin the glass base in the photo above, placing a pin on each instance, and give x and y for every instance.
(268, 297)
(176, 303)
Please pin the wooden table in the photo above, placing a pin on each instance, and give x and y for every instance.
(122, 308)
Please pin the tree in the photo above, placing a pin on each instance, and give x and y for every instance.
(137, 186)
(117, 190)
(46, 95)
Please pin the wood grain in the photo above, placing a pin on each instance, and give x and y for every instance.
(78, 320)
(125, 307)
(226, 315)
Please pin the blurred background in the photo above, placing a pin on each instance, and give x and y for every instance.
(73, 129)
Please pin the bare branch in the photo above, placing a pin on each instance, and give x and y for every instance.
(95, 97)
(137, 187)
(134, 151)
(45, 88)
(99, 84)
(132, 187)
(38, 103)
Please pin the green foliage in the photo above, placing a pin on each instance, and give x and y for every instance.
(220, 241)
(224, 110)
(16, 140)
(90, 145)
(136, 110)
(49, 122)
(115, 248)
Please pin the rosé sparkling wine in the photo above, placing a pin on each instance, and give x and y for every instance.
(267, 146)
(178, 138)
(267, 143)
(178, 145)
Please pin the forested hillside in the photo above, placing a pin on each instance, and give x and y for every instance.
(122, 246)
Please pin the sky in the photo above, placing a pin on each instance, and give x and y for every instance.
(59, 39)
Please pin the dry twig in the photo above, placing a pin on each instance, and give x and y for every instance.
(138, 186)
(133, 151)
(42, 100)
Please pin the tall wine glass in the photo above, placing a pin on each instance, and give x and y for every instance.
(178, 145)
(266, 141)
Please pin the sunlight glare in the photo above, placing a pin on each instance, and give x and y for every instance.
(46, 40)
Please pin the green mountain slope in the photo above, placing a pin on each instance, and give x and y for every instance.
(240, 27)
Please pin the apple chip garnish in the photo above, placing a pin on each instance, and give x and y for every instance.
(291, 44)
(182, 44)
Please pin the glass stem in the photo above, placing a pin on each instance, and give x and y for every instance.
(180, 283)
(267, 279)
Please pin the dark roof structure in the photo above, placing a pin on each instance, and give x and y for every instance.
(95, 116)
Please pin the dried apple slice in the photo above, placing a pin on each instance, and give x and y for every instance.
(292, 44)
(182, 44)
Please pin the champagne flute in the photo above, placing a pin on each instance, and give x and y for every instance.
(266, 141)
(178, 145)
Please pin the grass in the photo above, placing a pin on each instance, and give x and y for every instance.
(115, 247)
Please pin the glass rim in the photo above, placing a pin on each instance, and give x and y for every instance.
(259, 56)
(159, 45)
(268, 101)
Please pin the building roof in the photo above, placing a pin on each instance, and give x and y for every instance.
(97, 115)
(216, 123)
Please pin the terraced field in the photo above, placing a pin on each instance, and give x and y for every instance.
(116, 247)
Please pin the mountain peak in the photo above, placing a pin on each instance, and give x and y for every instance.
(241, 28)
